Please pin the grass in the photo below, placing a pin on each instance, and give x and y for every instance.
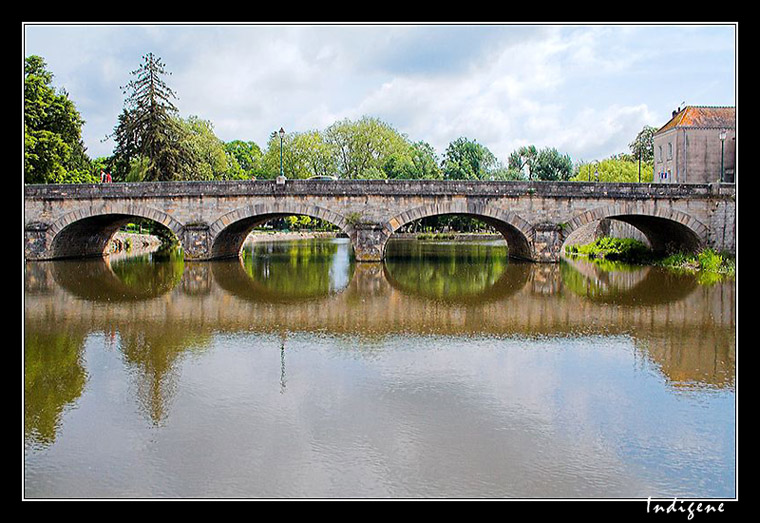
(614, 249)
(709, 265)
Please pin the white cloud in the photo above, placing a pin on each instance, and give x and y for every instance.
(585, 90)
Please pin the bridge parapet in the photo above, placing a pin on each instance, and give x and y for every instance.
(377, 188)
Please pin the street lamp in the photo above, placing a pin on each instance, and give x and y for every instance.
(282, 135)
(722, 136)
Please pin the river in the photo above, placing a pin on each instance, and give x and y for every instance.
(447, 371)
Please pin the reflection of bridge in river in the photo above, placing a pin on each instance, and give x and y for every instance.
(688, 330)
(157, 317)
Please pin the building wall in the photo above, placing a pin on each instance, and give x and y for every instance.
(664, 158)
(695, 156)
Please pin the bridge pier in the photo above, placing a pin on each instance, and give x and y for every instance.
(35, 241)
(547, 244)
(368, 240)
(196, 241)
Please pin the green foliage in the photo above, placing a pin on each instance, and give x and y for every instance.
(545, 164)
(138, 169)
(149, 127)
(362, 148)
(248, 156)
(353, 218)
(442, 224)
(419, 162)
(303, 155)
(616, 169)
(523, 160)
(710, 265)
(613, 249)
(53, 150)
(550, 165)
(643, 145)
(468, 160)
(209, 154)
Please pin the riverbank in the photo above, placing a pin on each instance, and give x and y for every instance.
(707, 263)
(275, 236)
(133, 242)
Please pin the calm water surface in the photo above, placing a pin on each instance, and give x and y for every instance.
(447, 371)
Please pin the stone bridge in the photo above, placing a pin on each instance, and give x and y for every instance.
(212, 219)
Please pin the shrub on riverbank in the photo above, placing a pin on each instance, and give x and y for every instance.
(615, 249)
(709, 264)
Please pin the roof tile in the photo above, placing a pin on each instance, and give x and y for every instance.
(705, 117)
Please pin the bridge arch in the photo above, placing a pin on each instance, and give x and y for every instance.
(86, 231)
(667, 230)
(228, 233)
(518, 233)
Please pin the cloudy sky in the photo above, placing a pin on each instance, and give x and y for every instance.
(586, 90)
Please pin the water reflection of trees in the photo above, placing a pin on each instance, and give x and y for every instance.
(130, 279)
(287, 272)
(54, 377)
(471, 272)
(692, 357)
(153, 353)
(622, 284)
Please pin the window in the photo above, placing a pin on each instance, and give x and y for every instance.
(659, 153)
(670, 150)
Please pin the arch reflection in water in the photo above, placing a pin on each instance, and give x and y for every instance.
(132, 278)
(456, 272)
(288, 271)
(623, 284)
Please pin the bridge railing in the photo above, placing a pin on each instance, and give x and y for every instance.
(375, 187)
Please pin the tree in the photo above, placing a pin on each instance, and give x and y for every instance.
(53, 149)
(523, 159)
(620, 168)
(211, 161)
(248, 155)
(149, 126)
(313, 154)
(468, 160)
(298, 160)
(550, 165)
(643, 145)
(363, 147)
(417, 162)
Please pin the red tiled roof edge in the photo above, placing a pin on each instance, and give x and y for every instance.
(699, 116)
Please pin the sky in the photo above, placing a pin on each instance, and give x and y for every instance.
(586, 90)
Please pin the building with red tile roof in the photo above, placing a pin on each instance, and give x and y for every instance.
(694, 143)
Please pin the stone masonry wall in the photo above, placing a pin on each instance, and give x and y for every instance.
(540, 214)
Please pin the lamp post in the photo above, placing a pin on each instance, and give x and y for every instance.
(282, 135)
(722, 136)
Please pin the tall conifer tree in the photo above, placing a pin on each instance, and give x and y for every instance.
(148, 131)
